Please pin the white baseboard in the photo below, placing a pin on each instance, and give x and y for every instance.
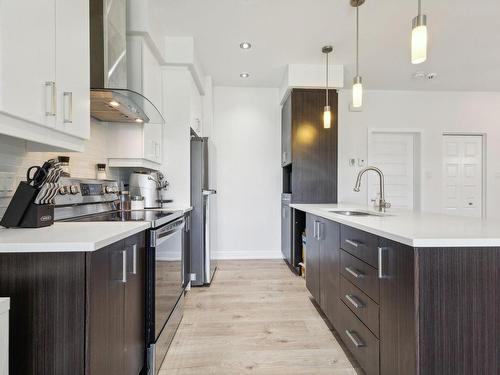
(254, 254)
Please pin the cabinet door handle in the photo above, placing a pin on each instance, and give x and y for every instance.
(320, 230)
(353, 336)
(53, 99)
(381, 262)
(124, 266)
(284, 157)
(354, 243)
(68, 107)
(316, 230)
(134, 259)
(354, 301)
(357, 274)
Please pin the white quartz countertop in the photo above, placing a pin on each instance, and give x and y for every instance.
(4, 304)
(413, 228)
(68, 236)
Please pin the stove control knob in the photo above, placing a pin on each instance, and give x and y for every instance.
(74, 189)
(63, 190)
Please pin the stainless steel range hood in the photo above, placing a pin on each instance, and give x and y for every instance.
(110, 99)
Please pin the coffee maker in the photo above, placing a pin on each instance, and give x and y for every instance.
(148, 185)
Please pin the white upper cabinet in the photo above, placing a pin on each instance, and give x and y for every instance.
(27, 60)
(44, 72)
(73, 67)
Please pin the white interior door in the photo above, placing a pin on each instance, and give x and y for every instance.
(393, 153)
(463, 175)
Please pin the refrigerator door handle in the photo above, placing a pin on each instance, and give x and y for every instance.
(209, 192)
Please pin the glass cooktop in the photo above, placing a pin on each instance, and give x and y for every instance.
(156, 217)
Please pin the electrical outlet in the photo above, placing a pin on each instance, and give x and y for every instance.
(193, 277)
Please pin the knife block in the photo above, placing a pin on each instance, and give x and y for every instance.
(23, 212)
(38, 216)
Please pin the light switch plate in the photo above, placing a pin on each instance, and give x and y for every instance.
(193, 277)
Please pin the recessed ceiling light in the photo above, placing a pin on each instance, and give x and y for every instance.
(138, 120)
(245, 75)
(245, 45)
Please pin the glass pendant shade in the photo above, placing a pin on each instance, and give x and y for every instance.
(357, 92)
(327, 117)
(419, 40)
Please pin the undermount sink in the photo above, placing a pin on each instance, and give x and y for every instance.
(355, 213)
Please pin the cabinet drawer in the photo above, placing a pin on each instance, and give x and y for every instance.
(361, 274)
(361, 244)
(361, 305)
(363, 345)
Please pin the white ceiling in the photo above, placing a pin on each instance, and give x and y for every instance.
(464, 41)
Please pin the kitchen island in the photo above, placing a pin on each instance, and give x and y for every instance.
(409, 293)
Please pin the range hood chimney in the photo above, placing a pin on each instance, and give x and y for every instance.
(110, 99)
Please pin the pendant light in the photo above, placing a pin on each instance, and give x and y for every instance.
(327, 114)
(357, 87)
(419, 37)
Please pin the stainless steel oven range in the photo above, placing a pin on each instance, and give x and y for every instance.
(95, 201)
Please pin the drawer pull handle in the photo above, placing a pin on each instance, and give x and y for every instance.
(354, 301)
(353, 336)
(381, 251)
(353, 243)
(354, 272)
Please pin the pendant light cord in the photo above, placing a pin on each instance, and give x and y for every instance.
(419, 7)
(327, 79)
(357, 40)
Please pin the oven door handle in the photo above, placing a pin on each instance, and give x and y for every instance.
(158, 237)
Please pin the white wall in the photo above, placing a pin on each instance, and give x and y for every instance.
(247, 135)
(433, 113)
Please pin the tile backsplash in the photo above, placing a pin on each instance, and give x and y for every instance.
(15, 159)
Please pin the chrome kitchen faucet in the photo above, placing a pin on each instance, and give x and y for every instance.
(380, 203)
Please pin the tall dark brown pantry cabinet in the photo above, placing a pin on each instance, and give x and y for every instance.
(309, 151)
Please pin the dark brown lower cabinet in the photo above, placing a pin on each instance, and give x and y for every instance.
(322, 264)
(312, 258)
(77, 313)
(117, 308)
(47, 312)
(397, 309)
(329, 263)
(360, 341)
(458, 304)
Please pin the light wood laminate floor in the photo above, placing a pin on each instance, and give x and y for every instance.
(256, 318)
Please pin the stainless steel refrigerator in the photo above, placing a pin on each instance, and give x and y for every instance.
(203, 265)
